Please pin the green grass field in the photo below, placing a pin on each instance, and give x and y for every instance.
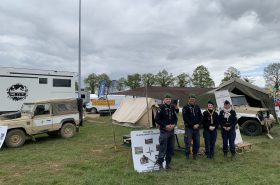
(90, 158)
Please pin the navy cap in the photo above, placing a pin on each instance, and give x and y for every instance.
(226, 102)
(167, 95)
(210, 102)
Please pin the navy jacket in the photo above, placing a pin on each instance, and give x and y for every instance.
(191, 115)
(230, 122)
(166, 115)
(206, 120)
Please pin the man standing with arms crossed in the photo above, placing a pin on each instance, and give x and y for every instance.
(166, 118)
(192, 117)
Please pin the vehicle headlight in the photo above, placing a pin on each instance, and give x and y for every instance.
(265, 114)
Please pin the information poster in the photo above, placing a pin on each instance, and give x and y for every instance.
(221, 97)
(145, 149)
(3, 131)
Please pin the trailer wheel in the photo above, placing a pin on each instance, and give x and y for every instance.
(93, 110)
(15, 138)
(252, 128)
(68, 130)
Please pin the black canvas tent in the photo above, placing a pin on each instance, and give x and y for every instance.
(255, 96)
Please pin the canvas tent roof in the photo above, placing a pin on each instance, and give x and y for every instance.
(255, 96)
(133, 112)
(157, 92)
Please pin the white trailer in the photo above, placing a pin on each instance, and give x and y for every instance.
(19, 85)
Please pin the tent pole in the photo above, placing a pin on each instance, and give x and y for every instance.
(113, 128)
(147, 103)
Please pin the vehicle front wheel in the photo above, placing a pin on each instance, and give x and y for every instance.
(68, 130)
(15, 138)
(252, 128)
(93, 110)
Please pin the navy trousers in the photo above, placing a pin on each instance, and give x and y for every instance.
(166, 146)
(192, 135)
(210, 138)
(228, 137)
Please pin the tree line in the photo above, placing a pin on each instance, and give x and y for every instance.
(199, 78)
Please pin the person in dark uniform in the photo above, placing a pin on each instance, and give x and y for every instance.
(192, 117)
(210, 124)
(228, 121)
(166, 118)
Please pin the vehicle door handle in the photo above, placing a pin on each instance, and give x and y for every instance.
(48, 120)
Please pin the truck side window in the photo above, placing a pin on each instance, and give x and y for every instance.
(43, 80)
(42, 109)
(61, 82)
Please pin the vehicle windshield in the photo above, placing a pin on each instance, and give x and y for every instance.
(238, 101)
(27, 107)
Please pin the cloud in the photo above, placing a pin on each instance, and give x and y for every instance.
(121, 37)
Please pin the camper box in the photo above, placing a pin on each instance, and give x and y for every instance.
(27, 85)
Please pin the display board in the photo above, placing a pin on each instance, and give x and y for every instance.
(3, 131)
(238, 138)
(145, 149)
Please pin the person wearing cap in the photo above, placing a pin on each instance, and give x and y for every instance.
(210, 122)
(166, 118)
(228, 121)
(192, 117)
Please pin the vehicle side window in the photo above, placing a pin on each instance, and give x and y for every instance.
(42, 109)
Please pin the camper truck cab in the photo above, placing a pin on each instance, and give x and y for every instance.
(26, 85)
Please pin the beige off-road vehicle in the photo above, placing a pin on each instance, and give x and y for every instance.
(253, 120)
(54, 117)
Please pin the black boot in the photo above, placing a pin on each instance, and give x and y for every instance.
(225, 154)
(168, 167)
(232, 156)
(194, 156)
(159, 164)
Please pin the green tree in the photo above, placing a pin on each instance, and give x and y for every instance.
(164, 79)
(104, 76)
(183, 80)
(272, 75)
(148, 79)
(91, 82)
(201, 77)
(120, 86)
(133, 81)
(230, 73)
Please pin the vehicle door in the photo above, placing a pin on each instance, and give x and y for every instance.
(42, 120)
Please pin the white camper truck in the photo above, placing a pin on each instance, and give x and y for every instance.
(19, 85)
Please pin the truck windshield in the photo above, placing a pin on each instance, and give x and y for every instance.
(238, 101)
(27, 107)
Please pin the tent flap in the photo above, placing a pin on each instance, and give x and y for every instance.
(133, 112)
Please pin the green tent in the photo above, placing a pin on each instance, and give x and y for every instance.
(255, 96)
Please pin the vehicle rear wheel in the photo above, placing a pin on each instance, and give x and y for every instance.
(68, 130)
(15, 138)
(252, 128)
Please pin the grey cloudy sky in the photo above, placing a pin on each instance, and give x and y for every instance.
(121, 37)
